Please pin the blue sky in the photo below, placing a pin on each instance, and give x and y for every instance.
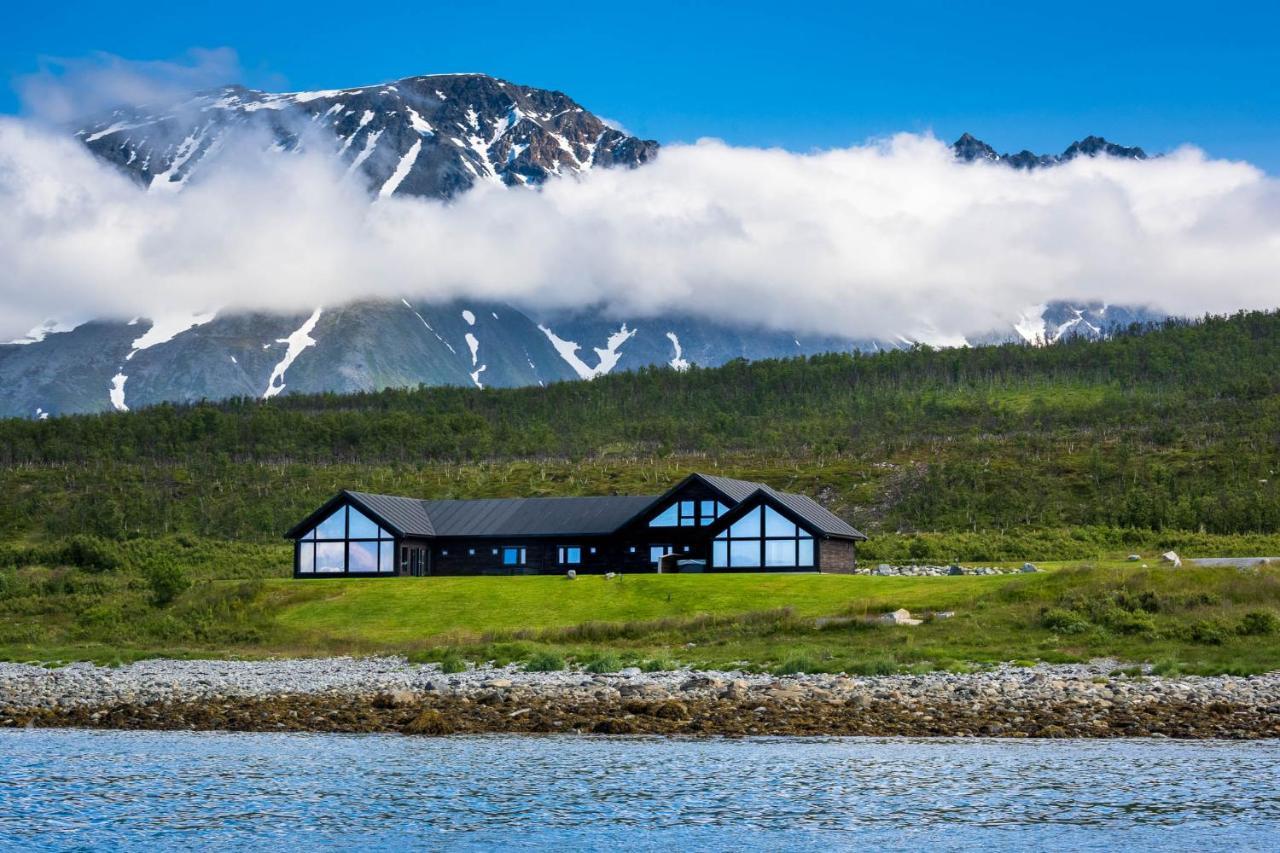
(801, 76)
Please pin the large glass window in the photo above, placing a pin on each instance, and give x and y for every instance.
(513, 555)
(763, 538)
(568, 555)
(347, 542)
(689, 514)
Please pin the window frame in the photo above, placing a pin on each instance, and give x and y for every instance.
(690, 512)
(723, 543)
(383, 545)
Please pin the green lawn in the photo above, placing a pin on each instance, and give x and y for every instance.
(411, 610)
(1190, 619)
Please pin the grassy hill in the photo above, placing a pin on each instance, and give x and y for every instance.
(1160, 438)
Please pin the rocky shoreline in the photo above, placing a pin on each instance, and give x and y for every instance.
(391, 695)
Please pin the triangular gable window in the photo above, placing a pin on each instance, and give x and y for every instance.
(762, 539)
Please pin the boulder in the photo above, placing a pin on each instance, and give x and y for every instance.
(497, 683)
(954, 570)
(703, 682)
(1172, 558)
(571, 574)
(610, 575)
(1133, 558)
(900, 617)
(944, 614)
(395, 699)
(1029, 567)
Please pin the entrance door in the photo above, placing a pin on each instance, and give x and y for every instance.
(415, 560)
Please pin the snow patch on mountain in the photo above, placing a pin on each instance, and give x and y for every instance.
(469, 317)
(39, 333)
(473, 344)
(116, 392)
(678, 362)
(429, 326)
(607, 356)
(166, 327)
(298, 341)
(1030, 326)
(402, 170)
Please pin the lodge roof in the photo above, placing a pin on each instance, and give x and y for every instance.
(571, 516)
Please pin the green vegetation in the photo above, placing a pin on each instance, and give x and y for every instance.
(156, 531)
(1194, 619)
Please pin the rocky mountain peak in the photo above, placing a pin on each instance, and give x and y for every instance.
(969, 148)
(433, 135)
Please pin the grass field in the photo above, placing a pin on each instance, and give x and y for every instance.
(1192, 619)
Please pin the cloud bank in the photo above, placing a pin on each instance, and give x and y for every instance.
(887, 238)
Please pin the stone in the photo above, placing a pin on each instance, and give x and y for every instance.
(900, 617)
(498, 683)
(629, 671)
(395, 699)
(703, 682)
(944, 614)
(571, 574)
(1172, 558)
(954, 570)
(610, 575)
(1133, 558)
(1029, 567)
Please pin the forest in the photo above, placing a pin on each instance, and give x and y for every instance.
(1174, 429)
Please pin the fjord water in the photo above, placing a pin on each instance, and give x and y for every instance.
(70, 789)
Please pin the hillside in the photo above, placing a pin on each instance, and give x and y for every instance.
(1174, 429)
(158, 531)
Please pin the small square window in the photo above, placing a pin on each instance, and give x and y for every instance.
(494, 552)
(471, 552)
(685, 549)
(444, 552)
(591, 550)
(631, 550)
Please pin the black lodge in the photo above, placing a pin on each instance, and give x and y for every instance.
(704, 523)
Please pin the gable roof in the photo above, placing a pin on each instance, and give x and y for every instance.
(504, 516)
(803, 509)
(575, 516)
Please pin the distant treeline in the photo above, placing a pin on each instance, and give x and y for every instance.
(1172, 427)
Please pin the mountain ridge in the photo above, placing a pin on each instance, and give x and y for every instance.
(429, 136)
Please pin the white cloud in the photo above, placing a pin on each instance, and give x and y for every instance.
(67, 89)
(874, 240)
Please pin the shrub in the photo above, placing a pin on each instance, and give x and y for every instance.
(1259, 623)
(604, 663)
(547, 661)
(659, 665)
(1209, 631)
(452, 662)
(798, 665)
(874, 666)
(1064, 621)
(90, 553)
(167, 581)
(1125, 622)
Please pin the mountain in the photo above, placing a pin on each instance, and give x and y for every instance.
(970, 149)
(433, 136)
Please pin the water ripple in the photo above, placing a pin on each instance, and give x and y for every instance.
(89, 790)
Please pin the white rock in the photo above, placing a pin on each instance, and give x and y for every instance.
(900, 617)
(1172, 558)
